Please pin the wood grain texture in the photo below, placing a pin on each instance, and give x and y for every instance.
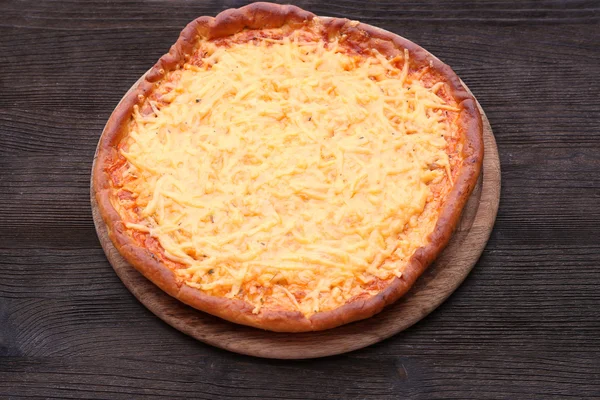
(523, 325)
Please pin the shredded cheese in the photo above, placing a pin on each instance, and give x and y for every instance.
(288, 173)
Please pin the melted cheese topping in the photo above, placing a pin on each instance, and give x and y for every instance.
(291, 174)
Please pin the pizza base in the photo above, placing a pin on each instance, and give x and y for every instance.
(267, 15)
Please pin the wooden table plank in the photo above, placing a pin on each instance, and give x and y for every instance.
(525, 324)
(500, 376)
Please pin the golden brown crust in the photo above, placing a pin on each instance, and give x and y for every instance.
(360, 36)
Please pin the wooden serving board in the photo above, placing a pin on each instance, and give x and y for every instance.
(430, 290)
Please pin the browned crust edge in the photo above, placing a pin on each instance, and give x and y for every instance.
(268, 15)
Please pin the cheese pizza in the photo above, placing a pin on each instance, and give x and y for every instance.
(287, 171)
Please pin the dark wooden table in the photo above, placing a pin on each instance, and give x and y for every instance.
(525, 324)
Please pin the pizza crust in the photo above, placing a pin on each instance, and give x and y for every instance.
(362, 36)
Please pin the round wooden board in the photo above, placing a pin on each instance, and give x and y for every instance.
(430, 290)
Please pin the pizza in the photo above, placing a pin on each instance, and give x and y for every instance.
(287, 171)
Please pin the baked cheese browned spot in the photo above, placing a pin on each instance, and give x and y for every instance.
(288, 173)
